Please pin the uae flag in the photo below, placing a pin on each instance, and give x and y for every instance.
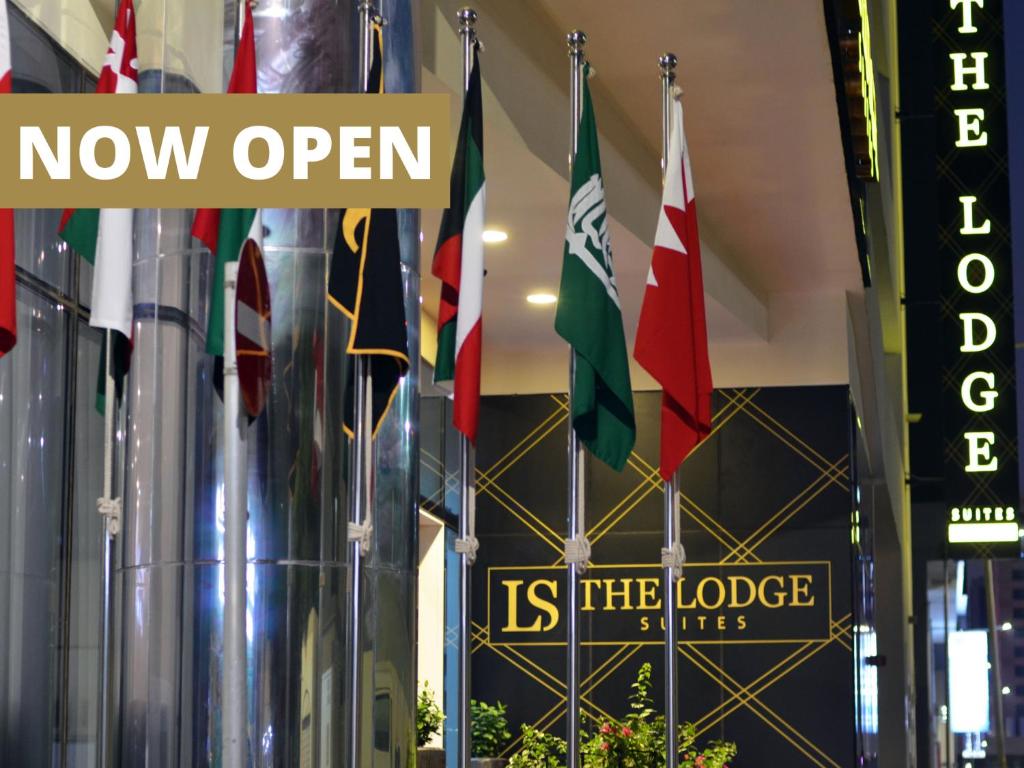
(672, 338)
(589, 315)
(365, 283)
(104, 237)
(459, 264)
(226, 232)
(8, 308)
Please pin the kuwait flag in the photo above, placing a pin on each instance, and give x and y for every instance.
(672, 338)
(8, 309)
(226, 231)
(589, 315)
(104, 237)
(459, 264)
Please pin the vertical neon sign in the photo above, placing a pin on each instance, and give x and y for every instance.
(976, 300)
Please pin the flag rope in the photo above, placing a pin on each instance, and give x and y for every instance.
(362, 532)
(110, 510)
(577, 552)
(469, 545)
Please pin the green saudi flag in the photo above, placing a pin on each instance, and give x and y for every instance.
(589, 314)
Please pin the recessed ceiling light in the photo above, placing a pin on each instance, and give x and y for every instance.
(542, 298)
(495, 236)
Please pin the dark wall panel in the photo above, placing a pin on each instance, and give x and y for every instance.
(766, 502)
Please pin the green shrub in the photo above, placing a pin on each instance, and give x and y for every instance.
(539, 750)
(636, 741)
(489, 728)
(429, 717)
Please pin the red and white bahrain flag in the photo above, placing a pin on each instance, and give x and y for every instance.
(252, 327)
(459, 264)
(672, 338)
(8, 308)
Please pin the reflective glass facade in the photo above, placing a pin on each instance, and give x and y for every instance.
(167, 642)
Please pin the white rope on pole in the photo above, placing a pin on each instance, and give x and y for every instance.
(468, 546)
(674, 557)
(577, 552)
(110, 509)
(363, 533)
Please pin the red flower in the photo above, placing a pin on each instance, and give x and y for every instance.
(627, 731)
(606, 729)
(605, 746)
(699, 761)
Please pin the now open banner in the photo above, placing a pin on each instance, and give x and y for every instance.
(224, 151)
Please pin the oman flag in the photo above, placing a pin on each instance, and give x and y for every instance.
(104, 237)
(459, 264)
(226, 231)
(672, 338)
(8, 309)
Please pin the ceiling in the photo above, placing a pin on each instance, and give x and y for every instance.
(776, 227)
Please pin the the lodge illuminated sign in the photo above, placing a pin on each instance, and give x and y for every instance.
(979, 413)
(717, 603)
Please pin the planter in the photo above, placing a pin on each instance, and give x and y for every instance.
(428, 757)
(488, 762)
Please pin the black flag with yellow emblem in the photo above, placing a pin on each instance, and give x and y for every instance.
(365, 283)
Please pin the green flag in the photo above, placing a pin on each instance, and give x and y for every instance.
(589, 314)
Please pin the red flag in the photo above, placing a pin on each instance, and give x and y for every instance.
(672, 338)
(8, 308)
(252, 329)
(206, 226)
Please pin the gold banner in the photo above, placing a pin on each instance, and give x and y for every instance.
(224, 151)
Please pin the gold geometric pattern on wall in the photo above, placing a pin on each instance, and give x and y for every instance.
(827, 472)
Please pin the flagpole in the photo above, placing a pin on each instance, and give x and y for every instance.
(235, 707)
(110, 509)
(575, 550)
(467, 544)
(360, 492)
(235, 720)
(667, 62)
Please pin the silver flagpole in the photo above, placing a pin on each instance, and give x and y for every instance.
(576, 527)
(466, 546)
(668, 63)
(997, 672)
(110, 509)
(235, 720)
(360, 496)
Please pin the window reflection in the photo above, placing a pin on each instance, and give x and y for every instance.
(50, 534)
